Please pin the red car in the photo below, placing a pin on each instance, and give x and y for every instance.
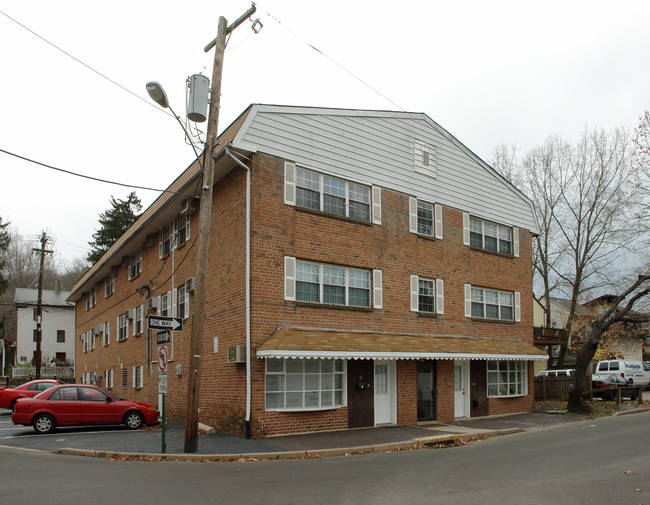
(8, 396)
(80, 405)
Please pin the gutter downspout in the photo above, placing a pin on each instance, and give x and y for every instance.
(248, 290)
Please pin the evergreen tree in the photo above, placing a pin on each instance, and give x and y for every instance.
(113, 223)
(4, 245)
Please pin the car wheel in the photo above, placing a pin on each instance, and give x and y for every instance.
(133, 420)
(43, 423)
(12, 406)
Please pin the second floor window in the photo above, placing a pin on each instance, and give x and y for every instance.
(492, 304)
(331, 284)
(332, 195)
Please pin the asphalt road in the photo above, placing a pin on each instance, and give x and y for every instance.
(603, 461)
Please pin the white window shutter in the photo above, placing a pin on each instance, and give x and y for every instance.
(438, 214)
(134, 320)
(134, 383)
(159, 305)
(160, 244)
(376, 205)
(468, 300)
(414, 293)
(289, 183)
(465, 228)
(377, 289)
(515, 242)
(117, 328)
(517, 307)
(174, 302)
(187, 231)
(413, 214)
(440, 296)
(289, 278)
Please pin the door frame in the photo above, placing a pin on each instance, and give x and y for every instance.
(392, 391)
(464, 364)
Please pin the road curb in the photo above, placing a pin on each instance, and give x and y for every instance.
(418, 443)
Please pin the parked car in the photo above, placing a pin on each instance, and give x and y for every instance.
(602, 381)
(557, 373)
(8, 396)
(80, 405)
(636, 371)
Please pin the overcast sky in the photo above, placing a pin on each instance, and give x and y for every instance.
(495, 72)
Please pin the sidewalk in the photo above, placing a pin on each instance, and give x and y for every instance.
(225, 447)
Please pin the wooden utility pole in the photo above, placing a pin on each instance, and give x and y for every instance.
(39, 304)
(205, 218)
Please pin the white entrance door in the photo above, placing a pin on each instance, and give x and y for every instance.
(461, 390)
(385, 392)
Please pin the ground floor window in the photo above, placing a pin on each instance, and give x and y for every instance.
(507, 378)
(304, 384)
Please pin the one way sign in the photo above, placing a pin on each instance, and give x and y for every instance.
(164, 323)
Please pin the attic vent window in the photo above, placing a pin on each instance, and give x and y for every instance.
(425, 158)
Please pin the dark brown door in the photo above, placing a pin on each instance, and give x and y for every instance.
(361, 410)
(478, 389)
(426, 390)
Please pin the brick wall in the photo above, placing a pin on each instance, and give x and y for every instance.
(280, 230)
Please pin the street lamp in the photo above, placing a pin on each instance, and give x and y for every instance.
(158, 95)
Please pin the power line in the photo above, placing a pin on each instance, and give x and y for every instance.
(84, 64)
(92, 178)
(331, 59)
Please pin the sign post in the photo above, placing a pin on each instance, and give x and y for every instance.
(162, 339)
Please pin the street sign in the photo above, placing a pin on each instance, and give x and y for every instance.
(162, 384)
(164, 323)
(162, 337)
(162, 359)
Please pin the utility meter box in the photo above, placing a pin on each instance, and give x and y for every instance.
(197, 100)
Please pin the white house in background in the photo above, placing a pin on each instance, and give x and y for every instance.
(57, 324)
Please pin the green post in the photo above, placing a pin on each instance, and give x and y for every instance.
(164, 445)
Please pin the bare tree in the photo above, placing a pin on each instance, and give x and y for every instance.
(642, 175)
(591, 215)
(619, 312)
(542, 165)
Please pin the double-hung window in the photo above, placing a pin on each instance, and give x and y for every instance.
(304, 384)
(490, 236)
(332, 284)
(109, 285)
(425, 218)
(122, 327)
(107, 333)
(138, 377)
(332, 195)
(183, 305)
(492, 304)
(427, 295)
(138, 326)
(165, 305)
(135, 264)
(108, 379)
(507, 378)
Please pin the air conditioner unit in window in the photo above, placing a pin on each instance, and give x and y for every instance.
(98, 329)
(150, 241)
(189, 206)
(152, 303)
(129, 314)
(236, 354)
(189, 285)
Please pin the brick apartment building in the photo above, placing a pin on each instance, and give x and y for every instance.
(365, 268)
